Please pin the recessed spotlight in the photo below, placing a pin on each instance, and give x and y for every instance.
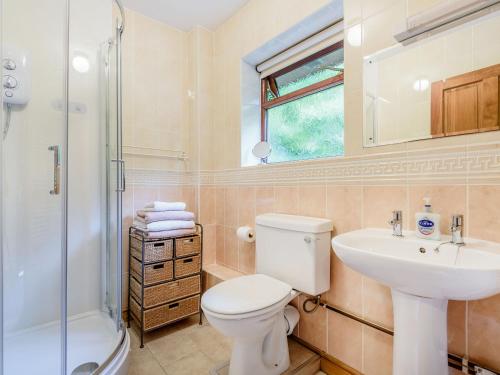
(355, 35)
(81, 64)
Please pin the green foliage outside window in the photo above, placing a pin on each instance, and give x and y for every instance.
(309, 127)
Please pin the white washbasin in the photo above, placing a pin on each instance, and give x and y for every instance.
(458, 273)
(422, 281)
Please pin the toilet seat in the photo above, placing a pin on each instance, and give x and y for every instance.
(246, 296)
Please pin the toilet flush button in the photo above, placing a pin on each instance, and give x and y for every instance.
(9, 94)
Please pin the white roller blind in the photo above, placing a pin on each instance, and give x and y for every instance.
(307, 47)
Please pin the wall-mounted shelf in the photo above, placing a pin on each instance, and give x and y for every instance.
(151, 152)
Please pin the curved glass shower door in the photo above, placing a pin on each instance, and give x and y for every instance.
(61, 183)
(94, 327)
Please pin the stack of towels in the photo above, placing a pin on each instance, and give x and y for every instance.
(164, 219)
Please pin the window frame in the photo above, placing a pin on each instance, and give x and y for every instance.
(265, 104)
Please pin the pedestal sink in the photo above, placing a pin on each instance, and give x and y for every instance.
(422, 280)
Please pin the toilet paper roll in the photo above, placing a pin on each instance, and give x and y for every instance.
(292, 317)
(246, 234)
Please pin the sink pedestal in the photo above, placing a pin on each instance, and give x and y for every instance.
(420, 335)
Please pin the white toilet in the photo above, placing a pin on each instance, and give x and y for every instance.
(292, 256)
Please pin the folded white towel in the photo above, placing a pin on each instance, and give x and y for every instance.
(168, 233)
(149, 217)
(158, 226)
(165, 206)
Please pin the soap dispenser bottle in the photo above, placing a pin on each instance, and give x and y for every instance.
(427, 222)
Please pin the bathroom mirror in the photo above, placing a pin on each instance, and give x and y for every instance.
(262, 150)
(443, 85)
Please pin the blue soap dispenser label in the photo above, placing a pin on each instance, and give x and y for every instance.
(426, 226)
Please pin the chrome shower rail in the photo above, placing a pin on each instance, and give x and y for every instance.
(121, 27)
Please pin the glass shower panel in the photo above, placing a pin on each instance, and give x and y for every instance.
(94, 316)
(33, 149)
(113, 271)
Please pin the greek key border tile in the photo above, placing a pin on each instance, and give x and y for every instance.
(434, 166)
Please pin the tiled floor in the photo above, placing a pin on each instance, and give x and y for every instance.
(188, 348)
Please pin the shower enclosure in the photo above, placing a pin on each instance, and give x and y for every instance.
(62, 178)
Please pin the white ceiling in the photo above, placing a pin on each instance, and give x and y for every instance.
(184, 14)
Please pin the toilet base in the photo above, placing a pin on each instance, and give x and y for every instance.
(266, 355)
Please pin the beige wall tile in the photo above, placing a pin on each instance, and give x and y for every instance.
(231, 247)
(377, 352)
(377, 303)
(484, 331)
(209, 244)
(372, 7)
(220, 253)
(352, 11)
(312, 327)
(246, 205)
(380, 201)
(170, 193)
(483, 219)
(456, 327)
(264, 199)
(345, 287)
(345, 339)
(344, 207)
(189, 197)
(231, 206)
(246, 257)
(312, 200)
(144, 195)
(286, 199)
(417, 6)
(207, 205)
(379, 29)
(220, 205)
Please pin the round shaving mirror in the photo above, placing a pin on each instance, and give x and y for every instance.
(262, 150)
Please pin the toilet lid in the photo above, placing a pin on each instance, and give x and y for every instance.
(245, 294)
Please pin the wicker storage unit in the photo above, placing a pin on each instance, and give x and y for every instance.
(159, 316)
(187, 246)
(166, 292)
(153, 273)
(166, 286)
(154, 250)
(187, 266)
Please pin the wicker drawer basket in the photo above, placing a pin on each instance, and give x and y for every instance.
(153, 273)
(154, 251)
(187, 246)
(187, 266)
(164, 293)
(161, 315)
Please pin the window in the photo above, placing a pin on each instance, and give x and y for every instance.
(302, 107)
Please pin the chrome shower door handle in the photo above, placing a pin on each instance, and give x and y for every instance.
(57, 170)
(123, 187)
(121, 162)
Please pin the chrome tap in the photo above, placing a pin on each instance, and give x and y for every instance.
(397, 223)
(457, 228)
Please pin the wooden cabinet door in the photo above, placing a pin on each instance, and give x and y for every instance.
(468, 103)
